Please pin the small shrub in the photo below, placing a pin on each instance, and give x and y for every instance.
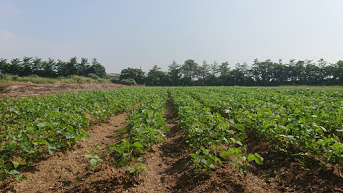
(15, 77)
(128, 82)
(93, 76)
(6, 77)
(81, 80)
(34, 76)
(4, 88)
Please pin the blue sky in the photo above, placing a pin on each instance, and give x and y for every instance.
(136, 33)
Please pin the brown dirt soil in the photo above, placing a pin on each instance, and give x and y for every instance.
(166, 161)
(24, 89)
(286, 174)
(66, 169)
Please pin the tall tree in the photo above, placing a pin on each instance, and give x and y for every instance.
(61, 67)
(4, 66)
(174, 73)
(224, 74)
(83, 67)
(49, 68)
(27, 66)
(203, 74)
(189, 71)
(156, 77)
(37, 66)
(135, 73)
(71, 66)
(14, 67)
(98, 69)
(339, 72)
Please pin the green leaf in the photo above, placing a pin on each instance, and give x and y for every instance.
(225, 155)
(129, 169)
(93, 162)
(138, 145)
(22, 163)
(239, 127)
(19, 177)
(13, 172)
(242, 136)
(251, 157)
(41, 125)
(258, 159)
(15, 164)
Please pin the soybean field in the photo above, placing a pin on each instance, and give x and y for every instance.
(174, 139)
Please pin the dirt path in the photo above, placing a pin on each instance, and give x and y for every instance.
(63, 170)
(166, 161)
(25, 89)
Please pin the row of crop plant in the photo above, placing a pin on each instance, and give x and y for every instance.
(213, 137)
(145, 127)
(33, 126)
(301, 122)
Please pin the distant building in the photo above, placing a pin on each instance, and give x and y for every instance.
(113, 76)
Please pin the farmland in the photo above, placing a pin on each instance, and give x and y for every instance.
(174, 139)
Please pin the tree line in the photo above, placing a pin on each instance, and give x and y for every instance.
(260, 73)
(52, 67)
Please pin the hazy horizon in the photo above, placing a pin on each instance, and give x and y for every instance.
(123, 34)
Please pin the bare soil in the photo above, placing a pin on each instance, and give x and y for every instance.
(24, 89)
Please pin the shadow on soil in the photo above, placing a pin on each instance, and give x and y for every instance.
(290, 174)
(110, 185)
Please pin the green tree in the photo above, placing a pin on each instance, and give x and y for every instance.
(338, 72)
(224, 74)
(262, 72)
(311, 73)
(174, 74)
(203, 74)
(98, 69)
(37, 66)
(4, 66)
(71, 66)
(15, 67)
(27, 66)
(61, 67)
(135, 73)
(280, 77)
(83, 67)
(212, 78)
(240, 75)
(49, 68)
(156, 77)
(190, 71)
